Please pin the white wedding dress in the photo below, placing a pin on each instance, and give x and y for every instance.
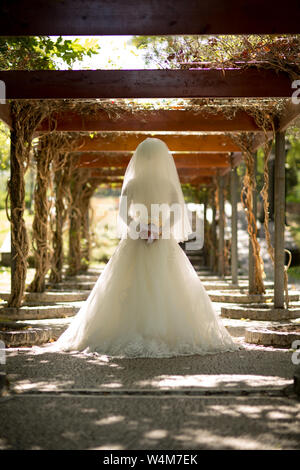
(149, 300)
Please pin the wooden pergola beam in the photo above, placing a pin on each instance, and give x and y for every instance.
(215, 143)
(259, 139)
(159, 121)
(290, 113)
(153, 17)
(149, 120)
(5, 115)
(105, 178)
(194, 173)
(236, 159)
(104, 159)
(182, 160)
(89, 84)
(199, 180)
(156, 121)
(191, 173)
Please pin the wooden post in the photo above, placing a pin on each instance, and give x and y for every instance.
(279, 219)
(81, 193)
(221, 264)
(205, 229)
(214, 238)
(74, 252)
(14, 202)
(85, 230)
(251, 268)
(234, 253)
(40, 223)
(19, 238)
(271, 191)
(57, 240)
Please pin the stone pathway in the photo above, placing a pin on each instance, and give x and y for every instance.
(133, 422)
(222, 401)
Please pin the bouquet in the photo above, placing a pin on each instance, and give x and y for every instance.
(149, 232)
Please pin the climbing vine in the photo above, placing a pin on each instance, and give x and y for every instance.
(26, 116)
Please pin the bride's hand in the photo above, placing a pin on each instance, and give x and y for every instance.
(149, 233)
(153, 233)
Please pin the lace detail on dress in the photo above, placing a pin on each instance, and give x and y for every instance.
(140, 347)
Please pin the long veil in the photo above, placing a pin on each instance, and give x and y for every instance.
(151, 178)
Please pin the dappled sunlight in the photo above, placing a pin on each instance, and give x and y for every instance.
(212, 381)
(171, 403)
(73, 436)
(156, 434)
(110, 420)
(139, 422)
(211, 440)
(43, 386)
(254, 419)
(275, 415)
(250, 369)
(108, 446)
(250, 411)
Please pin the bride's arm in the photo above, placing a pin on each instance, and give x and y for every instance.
(136, 226)
(156, 227)
(168, 222)
(160, 225)
(124, 218)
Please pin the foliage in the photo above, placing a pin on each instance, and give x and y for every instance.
(277, 52)
(294, 272)
(43, 52)
(293, 169)
(196, 194)
(4, 146)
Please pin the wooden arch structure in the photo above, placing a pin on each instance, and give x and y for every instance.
(201, 158)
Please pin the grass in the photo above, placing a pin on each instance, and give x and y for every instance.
(294, 272)
(294, 225)
(295, 231)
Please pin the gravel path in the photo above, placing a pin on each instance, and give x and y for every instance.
(222, 401)
(124, 423)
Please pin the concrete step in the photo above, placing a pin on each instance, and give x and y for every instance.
(214, 277)
(83, 278)
(17, 334)
(39, 312)
(78, 278)
(241, 298)
(48, 297)
(200, 272)
(226, 285)
(73, 286)
(90, 272)
(261, 312)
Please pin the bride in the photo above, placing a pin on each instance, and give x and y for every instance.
(148, 301)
